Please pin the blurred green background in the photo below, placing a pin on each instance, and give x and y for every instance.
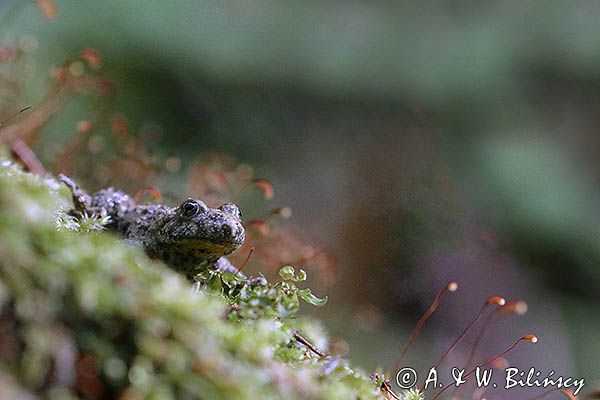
(419, 143)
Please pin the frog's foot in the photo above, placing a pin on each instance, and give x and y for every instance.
(225, 265)
(81, 200)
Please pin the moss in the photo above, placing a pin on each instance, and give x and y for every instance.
(83, 315)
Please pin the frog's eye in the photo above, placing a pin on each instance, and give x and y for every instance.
(191, 207)
(231, 209)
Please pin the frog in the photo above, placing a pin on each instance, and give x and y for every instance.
(190, 238)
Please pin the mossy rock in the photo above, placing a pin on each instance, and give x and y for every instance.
(84, 315)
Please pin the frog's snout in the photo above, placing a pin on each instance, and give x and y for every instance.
(232, 232)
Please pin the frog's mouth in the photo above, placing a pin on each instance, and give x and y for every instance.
(208, 249)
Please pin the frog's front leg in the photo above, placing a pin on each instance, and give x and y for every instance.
(81, 200)
(225, 265)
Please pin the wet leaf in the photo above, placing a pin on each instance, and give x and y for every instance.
(306, 295)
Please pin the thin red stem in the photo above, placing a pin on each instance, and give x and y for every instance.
(462, 335)
(27, 157)
(479, 337)
(14, 115)
(450, 286)
(250, 252)
(476, 344)
(484, 363)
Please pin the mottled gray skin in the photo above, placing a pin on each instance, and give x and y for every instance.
(189, 238)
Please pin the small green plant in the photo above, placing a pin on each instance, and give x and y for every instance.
(252, 298)
(412, 394)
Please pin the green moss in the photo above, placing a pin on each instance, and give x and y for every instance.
(87, 316)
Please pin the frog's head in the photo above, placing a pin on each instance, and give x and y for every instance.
(196, 231)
